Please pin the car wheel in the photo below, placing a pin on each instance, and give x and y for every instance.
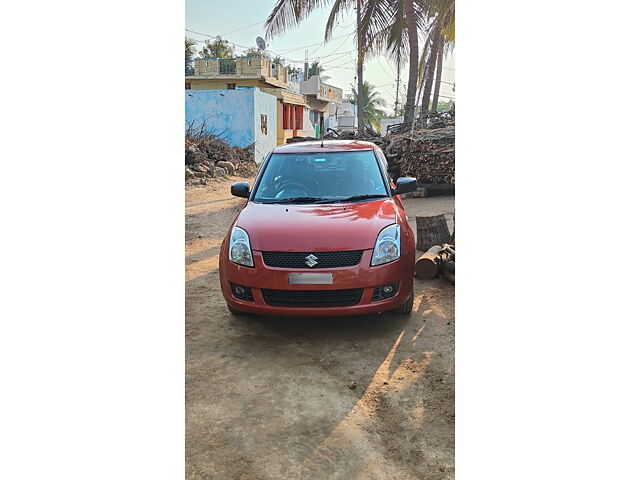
(235, 312)
(407, 306)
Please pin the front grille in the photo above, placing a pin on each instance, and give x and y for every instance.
(312, 298)
(323, 259)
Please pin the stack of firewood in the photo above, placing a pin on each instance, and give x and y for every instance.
(428, 155)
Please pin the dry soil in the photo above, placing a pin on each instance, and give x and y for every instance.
(270, 398)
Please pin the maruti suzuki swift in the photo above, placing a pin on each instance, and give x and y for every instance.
(323, 233)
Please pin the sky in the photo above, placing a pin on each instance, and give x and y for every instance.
(241, 21)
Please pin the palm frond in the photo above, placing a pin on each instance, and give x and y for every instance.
(286, 14)
(340, 7)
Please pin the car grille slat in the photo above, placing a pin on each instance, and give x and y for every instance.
(347, 258)
(312, 298)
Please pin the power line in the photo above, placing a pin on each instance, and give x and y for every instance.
(243, 28)
(336, 59)
(313, 44)
(213, 36)
(345, 41)
(277, 53)
(384, 69)
(340, 66)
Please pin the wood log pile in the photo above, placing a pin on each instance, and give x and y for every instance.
(438, 261)
(427, 154)
(207, 156)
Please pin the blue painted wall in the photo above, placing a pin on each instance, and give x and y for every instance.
(265, 104)
(235, 115)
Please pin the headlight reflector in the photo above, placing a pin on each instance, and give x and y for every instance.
(240, 248)
(387, 248)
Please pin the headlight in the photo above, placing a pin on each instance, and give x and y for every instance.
(240, 248)
(387, 247)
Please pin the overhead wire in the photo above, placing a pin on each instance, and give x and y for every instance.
(243, 28)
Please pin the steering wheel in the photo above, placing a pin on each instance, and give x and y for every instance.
(292, 186)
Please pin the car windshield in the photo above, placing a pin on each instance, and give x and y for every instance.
(320, 178)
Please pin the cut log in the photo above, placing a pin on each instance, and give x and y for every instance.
(432, 231)
(449, 268)
(428, 264)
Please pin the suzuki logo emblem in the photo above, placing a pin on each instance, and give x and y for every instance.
(311, 260)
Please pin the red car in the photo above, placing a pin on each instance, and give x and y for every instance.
(323, 233)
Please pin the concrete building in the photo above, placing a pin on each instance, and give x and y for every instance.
(320, 96)
(342, 117)
(243, 116)
(293, 113)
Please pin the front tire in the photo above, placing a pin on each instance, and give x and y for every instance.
(407, 307)
(234, 312)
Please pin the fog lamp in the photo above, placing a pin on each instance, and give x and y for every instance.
(387, 289)
(241, 293)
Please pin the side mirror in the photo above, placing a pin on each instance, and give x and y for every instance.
(405, 184)
(240, 189)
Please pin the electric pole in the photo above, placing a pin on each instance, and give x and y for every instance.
(395, 109)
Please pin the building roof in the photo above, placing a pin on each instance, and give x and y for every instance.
(327, 146)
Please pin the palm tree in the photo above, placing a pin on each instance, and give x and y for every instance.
(188, 55)
(316, 69)
(383, 25)
(398, 38)
(371, 16)
(412, 30)
(432, 46)
(440, 39)
(372, 102)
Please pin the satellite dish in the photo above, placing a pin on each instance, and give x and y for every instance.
(261, 43)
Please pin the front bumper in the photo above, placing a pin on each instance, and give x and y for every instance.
(359, 276)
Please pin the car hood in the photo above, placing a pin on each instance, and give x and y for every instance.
(321, 227)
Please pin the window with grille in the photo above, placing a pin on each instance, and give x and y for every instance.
(263, 124)
(227, 66)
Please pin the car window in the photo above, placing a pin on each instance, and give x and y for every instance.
(322, 176)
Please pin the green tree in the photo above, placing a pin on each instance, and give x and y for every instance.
(291, 70)
(254, 52)
(316, 69)
(188, 56)
(372, 103)
(219, 48)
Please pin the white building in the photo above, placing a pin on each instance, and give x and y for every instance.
(342, 117)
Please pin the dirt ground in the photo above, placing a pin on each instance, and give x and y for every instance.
(269, 398)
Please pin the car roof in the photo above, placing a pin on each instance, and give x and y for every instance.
(316, 146)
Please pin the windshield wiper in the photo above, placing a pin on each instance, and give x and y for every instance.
(357, 197)
(297, 200)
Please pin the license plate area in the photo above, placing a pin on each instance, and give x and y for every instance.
(310, 279)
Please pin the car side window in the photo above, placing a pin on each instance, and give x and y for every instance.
(385, 166)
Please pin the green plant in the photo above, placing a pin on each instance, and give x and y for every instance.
(372, 102)
(219, 48)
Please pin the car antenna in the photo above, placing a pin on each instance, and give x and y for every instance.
(321, 131)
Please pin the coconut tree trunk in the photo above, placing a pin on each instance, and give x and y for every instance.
(431, 66)
(436, 88)
(412, 30)
(360, 33)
